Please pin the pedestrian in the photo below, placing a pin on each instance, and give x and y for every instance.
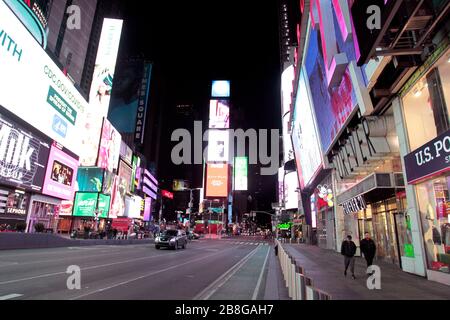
(369, 249)
(348, 250)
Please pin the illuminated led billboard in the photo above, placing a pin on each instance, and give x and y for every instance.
(61, 174)
(109, 149)
(35, 89)
(217, 181)
(305, 141)
(241, 174)
(221, 89)
(218, 146)
(219, 114)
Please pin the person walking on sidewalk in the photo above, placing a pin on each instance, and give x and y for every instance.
(348, 250)
(369, 249)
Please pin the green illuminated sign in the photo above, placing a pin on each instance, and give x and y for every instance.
(104, 202)
(285, 226)
(85, 204)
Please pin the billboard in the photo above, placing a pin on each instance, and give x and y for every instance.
(23, 155)
(126, 153)
(124, 97)
(133, 207)
(62, 169)
(108, 182)
(307, 151)
(35, 89)
(109, 148)
(126, 173)
(148, 209)
(66, 208)
(241, 174)
(290, 191)
(333, 105)
(99, 98)
(221, 89)
(219, 114)
(90, 179)
(218, 146)
(180, 185)
(118, 198)
(217, 181)
(105, 65)
(104, 203)
(85, 204)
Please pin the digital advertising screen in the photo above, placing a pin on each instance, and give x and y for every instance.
(308, 154)
(109, 149)
(108, 182)
(90, 179)
(118, 198)
(126, 173)
(221, 89)
(219, 114)
(217, 181)
(218, 146)
(105, 66)
(133, 207)
(125, 95)
(333, 105)
(290, 191)
(62, 170)
(148, 209)
(35, 89)
(66, 208)
(241, 174)
(85, 204)
(104, 203)
(23, 155)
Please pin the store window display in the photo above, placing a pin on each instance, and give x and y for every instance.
(434, 202)
(426, 106)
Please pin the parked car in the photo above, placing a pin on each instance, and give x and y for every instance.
(173, 239)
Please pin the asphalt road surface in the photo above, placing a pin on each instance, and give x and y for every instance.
(234, 269)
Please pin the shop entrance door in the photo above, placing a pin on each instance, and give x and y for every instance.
(385, 231)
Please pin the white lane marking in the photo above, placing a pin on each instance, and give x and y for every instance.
(206, 293)
(91, 268)
(83, 269)
(147, 275)
(8, 264)
(10, 296)
(258, 284)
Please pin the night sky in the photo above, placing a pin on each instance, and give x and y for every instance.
(194, 42)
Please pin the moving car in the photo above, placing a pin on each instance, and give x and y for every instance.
(173, 239)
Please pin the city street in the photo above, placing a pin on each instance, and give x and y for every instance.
(207, 269)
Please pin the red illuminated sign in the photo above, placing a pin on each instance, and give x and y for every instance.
(167, 194)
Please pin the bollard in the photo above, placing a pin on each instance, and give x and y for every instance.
(293, 282)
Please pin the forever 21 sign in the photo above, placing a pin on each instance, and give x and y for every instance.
(429, 160)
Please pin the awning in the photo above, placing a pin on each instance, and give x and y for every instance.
(374, 188)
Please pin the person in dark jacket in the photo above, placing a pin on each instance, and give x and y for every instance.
(348, 250)
(369, 249)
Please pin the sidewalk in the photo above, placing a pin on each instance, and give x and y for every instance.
(326, 269)
(275, 285)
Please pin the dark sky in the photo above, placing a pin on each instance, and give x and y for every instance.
(194, 42)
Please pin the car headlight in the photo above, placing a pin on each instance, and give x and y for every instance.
(173, 240)
(158, 239)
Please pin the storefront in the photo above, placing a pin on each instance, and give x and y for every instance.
(13, 208)
(43, 210)
(424, 108)
(377, 205)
